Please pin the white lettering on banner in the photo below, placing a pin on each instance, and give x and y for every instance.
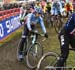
(9, 26)
(1, 31)
(15, 23)
(12, 24)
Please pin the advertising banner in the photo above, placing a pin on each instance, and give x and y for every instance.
(8, 26)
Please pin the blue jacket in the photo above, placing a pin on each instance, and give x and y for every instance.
(70, 24)
(32, 20)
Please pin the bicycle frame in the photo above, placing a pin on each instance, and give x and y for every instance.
(34, 38)
(34, 50)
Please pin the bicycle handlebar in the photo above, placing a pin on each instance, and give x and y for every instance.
(35, 32)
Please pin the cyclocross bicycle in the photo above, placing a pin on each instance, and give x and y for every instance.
(32, 50)
(49, 61)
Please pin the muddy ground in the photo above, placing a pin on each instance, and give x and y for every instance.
(8, 56)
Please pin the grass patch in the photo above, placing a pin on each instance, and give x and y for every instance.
(12, 36)
(51, 44)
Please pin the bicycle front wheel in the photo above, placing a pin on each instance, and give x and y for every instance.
(34, 53)
(48, 61)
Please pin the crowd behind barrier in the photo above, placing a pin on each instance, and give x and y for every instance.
(9, 6)
(9, 13)
(9, 19)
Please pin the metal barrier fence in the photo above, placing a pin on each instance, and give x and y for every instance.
(8, 13)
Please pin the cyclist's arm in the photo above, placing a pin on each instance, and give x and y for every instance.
(28, 22)
(42, 24)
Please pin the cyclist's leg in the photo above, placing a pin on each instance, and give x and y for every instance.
(23, 39)
(24, 35)
(59, 13)
(64, 46)
(21, 44)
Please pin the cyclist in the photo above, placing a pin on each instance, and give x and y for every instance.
(26, 10)
(38, 7)
(69, 8)
(66, 37)
(56, 8)
(31, 20)
(48, 6)
(43, 5)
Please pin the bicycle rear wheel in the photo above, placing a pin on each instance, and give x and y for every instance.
(58, 25)
(47, 61)
(33, 55)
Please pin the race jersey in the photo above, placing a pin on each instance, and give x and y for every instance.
(48, 6)
(56, 8)
(70, 24)
(38, 8)
(31, 20)
(56, 5)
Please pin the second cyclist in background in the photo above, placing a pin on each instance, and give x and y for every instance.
(56, 8)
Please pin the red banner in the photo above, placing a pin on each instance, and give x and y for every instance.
(8, 13)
